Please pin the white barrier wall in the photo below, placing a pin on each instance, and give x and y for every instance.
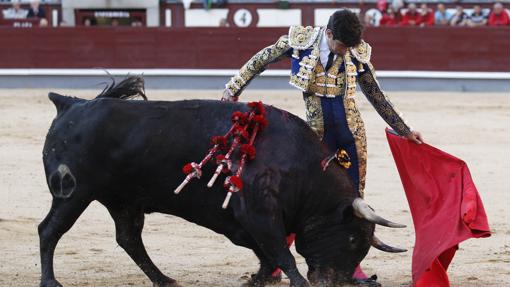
(322, 15)
(204, 18)
(278, 17)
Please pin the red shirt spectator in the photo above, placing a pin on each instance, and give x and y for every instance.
(412, 17)
(426, 16)
(498, 16)
(391, 18)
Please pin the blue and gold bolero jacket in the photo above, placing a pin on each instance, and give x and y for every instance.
(308, 75)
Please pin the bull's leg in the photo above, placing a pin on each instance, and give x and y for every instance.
(271, 240)
(266, 227)
(264, 275)
(63, 214)
(239, 236)
(128, 225)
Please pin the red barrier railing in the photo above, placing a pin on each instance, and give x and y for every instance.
(402, 48)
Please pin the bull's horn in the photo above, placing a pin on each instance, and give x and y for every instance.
(377, 243)
(363, 210)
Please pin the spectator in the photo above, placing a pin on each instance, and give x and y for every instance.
(208, 4)
(35, 11)
(224, 22)
(442, 16)
(397, 5)
(426, 15)
(498, 16)
(43, 22)
(391, 17)
(90, 21)
(411, 17)
(373, 16)
(477, 18)
(460, 18)
(15, 12)
(137, 23)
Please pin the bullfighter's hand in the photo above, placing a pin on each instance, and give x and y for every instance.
(415, 136)
(228, 98)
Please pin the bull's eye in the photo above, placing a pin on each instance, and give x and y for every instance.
(352, 240)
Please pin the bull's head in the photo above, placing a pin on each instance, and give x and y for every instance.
(336, 242)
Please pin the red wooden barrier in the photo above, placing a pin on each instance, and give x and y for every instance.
(402, 48)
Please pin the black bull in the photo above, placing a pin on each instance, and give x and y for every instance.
(128, 155)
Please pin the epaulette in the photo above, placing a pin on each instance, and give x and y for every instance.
(302, 38)
(362, 52)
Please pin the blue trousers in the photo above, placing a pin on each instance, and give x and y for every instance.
(337, 134)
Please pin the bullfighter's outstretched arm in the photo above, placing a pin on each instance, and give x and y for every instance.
(370, 87)
(257, 65)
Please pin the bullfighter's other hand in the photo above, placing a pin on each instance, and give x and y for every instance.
(229, 98)
(415, 136)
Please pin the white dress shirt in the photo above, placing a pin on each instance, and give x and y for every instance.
(324, 50)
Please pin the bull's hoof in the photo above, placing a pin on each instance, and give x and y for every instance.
(257, 280)
(169, 283)
(51, 283)
(369, 282)
(174, 284)
(303, 283)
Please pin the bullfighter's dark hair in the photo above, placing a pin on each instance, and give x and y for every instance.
(129, 88)
(346, 27)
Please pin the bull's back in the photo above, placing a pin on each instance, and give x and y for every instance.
(134, 151)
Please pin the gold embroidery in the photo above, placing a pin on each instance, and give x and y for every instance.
(362, 52)
(350, 76)
(256, 65)
(357, 128)
(302, 38)
(306, 74)
(328, 83)
(314, 116)
(381, 103)
(354, 121)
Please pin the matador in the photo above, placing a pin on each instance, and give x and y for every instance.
(326, 64)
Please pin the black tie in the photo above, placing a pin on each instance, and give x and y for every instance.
(330, 60)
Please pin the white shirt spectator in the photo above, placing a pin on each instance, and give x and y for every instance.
(15, 12)
(373, 17)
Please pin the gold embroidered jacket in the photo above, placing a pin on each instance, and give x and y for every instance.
(308, 75)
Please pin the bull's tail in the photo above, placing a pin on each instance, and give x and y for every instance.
(130, 87)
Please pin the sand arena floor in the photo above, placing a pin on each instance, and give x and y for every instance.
(472, 126)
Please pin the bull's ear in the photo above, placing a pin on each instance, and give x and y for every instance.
(345, 212)
(61, 102)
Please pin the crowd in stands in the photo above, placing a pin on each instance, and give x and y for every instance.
(34, 12)
(386, 13)
(396, 14)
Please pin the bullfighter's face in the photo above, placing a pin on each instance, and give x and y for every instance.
(335, 46)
